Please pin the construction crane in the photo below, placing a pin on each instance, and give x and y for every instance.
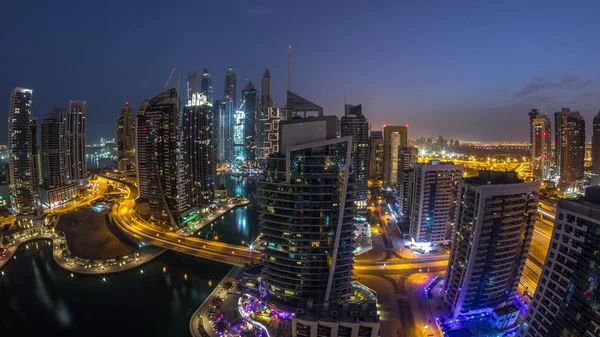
(169, 79)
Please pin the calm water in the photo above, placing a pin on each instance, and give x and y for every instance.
(38, 298)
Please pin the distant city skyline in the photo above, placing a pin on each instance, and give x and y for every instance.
(437, 74)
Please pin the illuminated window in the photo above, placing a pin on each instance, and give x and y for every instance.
(315, 244)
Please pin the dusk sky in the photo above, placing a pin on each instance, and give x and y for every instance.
(462, 69)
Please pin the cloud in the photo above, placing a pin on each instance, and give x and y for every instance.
(588, 95)
(259, 9)
(563, 82)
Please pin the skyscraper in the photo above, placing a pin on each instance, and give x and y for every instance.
(407, 159)
(541, 146)
(36, 172)
(566, 300)
(570, 145)
(194, 84)
(596, 151)
(55, 189)
(76, 163)
(490, 243)
(54, 149)
(230, 87)
(20, 141)
(435, 201)
(318, 267)
(394, 137)
(376, 155)
(159, 159)
(198, 154)
(126, 138)
(250, 109)
(206, 86)
(355, 125)
(264, 115)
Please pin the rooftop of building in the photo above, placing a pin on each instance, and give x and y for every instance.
(588, 205)
(488, 177)
(340, 312)
(506, 310)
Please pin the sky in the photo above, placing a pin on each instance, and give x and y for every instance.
(468, 70)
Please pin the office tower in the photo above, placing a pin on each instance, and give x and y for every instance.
(490, 243)
(354, 124)
(55, 189)
(306, 130)
(198, 152)
(264, 114)
(126, 138)
(20, 141)
(407, 159)
(206, 86)
(596, 151)
(565, 302)
(36, 172)
(541, 146)
(54, 149)
(76, 163)
(307, 218)
(376, 155)
(159, 159)
(435, 201)
(194, 84)
(570, 145)
(249, 107)
(230, 87)
(394, 137)
(272, 131)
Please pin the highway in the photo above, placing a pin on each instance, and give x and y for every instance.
(97, 190)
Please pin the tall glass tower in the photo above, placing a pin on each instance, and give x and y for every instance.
(20, 141)
(76, 163)
(249, 107)
(206, 85)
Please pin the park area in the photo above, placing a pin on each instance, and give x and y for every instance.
(90, 235)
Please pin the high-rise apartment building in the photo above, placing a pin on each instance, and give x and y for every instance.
(206, 86)
(541, 146)
(35, 157)
(141, 149)
(435, 201)
(230, 87)
(491, 240)
(376, 155)
(565, 302)
(354, 124)
(76, 161)
(20, 139)
(250, 109)
(54, 149)
(126, 138)
(595, 181)
(307, 221)
(161, 178)
(263, 117)
(570, 145)
(198, 154)
(55, 189)
(407, 159)
(394, 137)
(194, 84)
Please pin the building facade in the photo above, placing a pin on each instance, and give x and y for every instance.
(565, 302)
(541, 147)
(490, 243)
(20, 139)
(435, 201)
(307, 221)
(570, 145)
(159, 160)
(76, 161)
(230, 87)
(263, 119)
(194, 84)
(206, 86)
(394, 137)
(595, 181)
(250, 109)
(376, 155)
(355, 125)
(126, 138)
(55, 189)
(407, 159)
(198, 154)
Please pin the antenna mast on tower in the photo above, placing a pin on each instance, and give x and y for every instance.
(290, 68)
